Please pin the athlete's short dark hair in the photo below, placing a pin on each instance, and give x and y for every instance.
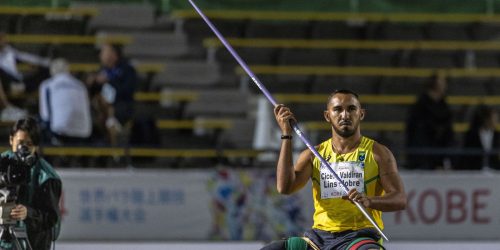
(341, 91)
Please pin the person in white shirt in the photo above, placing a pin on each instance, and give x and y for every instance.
(9, 57)
(64, 106)
(10, 77)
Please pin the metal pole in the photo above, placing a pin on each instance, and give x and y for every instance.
(293, 124)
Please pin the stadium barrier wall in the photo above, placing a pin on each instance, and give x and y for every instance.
(229, 204)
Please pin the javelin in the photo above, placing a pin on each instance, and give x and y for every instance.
(292, 124)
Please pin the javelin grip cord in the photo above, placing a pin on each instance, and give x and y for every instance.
(294, 125)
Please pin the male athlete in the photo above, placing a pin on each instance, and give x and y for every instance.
(368, 168)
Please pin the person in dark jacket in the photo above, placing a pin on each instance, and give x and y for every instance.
(429, 127)
(481, 140)
(37, 206)
(114, 86)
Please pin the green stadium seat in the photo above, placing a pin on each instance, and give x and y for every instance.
(494, 86)
(279, 84)
(359, 84)
(219, 103)
(7, 23)
(197, 29)
(76, 53)
(485, 31)
(337, 30)
(308, 111)
(385, 112)
(250, 55)
(486, 59)
(448, 31)
(151, 46)
(271, 29)
(403, 85)
(435, 59)
(37, 49)
(46, 25)
(400, 31)
(467, 86)
(117, 17)
(377, 58)
(309, 57)
(238, 136)
(180, 75)
(293, 83)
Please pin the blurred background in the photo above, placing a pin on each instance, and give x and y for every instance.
(178, 147)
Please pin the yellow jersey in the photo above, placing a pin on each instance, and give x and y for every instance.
(357, 169)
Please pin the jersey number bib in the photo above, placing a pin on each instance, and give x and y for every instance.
(351, 173)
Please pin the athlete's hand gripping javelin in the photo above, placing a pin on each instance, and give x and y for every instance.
(284, 116)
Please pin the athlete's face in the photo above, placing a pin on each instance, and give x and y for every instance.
(344, 113)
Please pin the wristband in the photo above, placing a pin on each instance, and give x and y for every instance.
(286, 137)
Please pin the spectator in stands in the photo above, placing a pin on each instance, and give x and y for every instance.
(481, 141)
(8, 111)
(37, 204)
(373, 175)
(64, 106)
(12, 81)
(9, 57)
(429, 128)
(113, 87)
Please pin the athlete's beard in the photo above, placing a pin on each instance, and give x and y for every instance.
(344, 133)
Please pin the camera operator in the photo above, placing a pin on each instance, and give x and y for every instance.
(37, 206)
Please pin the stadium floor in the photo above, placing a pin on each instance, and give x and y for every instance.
(395, 245)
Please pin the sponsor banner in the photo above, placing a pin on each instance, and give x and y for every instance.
(447, 206)
(233, 204)
(135, 205)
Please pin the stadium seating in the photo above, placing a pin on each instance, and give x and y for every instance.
(200, 106)
(116, 17)
(485, 31)
(180, 74)
(447, 31)
(337, 30)
(400, 32)
(156, 46)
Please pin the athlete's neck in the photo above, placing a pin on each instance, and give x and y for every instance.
(343, 145)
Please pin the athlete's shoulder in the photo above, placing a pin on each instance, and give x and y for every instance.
(366, 143)
(366, 139)
(324, 144)
(320, 148)
(381, 153)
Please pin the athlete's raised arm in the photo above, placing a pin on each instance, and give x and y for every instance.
(290, 177)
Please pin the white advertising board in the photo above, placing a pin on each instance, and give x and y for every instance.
(143, 205)
(452, 206)
(244, 205)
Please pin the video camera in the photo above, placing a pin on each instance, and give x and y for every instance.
(14, 172)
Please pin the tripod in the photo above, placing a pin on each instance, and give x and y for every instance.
(15, 235)
(9, 231)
